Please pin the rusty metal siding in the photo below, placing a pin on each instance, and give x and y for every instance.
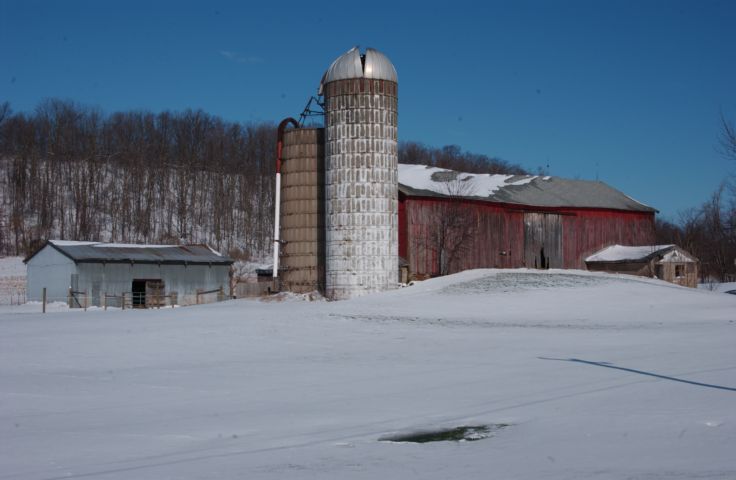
(501, 232)
(543, 240)
(302, 210)
(361, 186)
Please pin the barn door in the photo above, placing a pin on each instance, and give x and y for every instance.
(148, 293)
(543, 240)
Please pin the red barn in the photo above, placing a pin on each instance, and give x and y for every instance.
(451, 221)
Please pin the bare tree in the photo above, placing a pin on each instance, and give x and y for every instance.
(68, 171)
(453, 157)
(728, 138)
(450, 225)
(5, 111)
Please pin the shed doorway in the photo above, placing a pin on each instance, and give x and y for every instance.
(147, 293)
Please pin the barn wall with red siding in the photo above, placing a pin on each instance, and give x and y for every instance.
(591, 230)
(498, 233)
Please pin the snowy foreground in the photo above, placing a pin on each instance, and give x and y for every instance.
(596, 376)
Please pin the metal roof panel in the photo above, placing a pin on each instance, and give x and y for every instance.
(532, 191)
(87, 252)
(349, 65)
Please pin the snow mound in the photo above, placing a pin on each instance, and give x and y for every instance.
(507, 282)
(314, 296)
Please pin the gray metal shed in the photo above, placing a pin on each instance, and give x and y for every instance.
(146, 274)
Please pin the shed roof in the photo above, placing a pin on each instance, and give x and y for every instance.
(624, 253)
(525, 190)
(96, 252)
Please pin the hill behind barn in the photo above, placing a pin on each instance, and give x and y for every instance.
(73, 172)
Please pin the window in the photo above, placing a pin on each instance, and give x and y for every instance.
(679, 271)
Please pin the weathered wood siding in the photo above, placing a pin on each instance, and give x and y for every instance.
(511, 237)
(666, 271)
(688, 275)
(641, 269)
(497, 241)
(588, 231)
(543, 240)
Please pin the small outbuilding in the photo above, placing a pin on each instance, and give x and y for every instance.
(96, 274)
(665, 262)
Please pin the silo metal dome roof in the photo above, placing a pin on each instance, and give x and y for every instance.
(350, 65)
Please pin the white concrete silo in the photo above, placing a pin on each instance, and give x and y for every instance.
(361, 174)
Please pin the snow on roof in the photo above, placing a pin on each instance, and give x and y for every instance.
(621, 253)
(531, 190)
(70, 243)
(93, 252)
(75, 243)
(449, 182)
(132, 245)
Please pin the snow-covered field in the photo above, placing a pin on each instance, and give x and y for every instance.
(718, 287)
(596, 376)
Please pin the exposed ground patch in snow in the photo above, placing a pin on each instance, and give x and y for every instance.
(597, 378)
(456, 434)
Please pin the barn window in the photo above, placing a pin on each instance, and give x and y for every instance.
(678, 271)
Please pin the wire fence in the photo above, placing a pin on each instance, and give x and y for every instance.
(16, 297)
(80, 300)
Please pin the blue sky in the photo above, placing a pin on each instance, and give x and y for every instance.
(629, 92)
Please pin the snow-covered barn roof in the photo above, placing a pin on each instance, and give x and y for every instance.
(527, 190)
(623, 253)
(96, 252)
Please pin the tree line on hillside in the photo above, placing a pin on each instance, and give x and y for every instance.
(454, 158)
(709, 231)
(72, 172)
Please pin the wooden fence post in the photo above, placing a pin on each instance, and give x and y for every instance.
(198, 296)
(69, 297)
(85, 300)
(123, 294)
(44, 299)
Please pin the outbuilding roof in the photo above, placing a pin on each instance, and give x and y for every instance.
(523, 190)
(640, 253)
(97, 252)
